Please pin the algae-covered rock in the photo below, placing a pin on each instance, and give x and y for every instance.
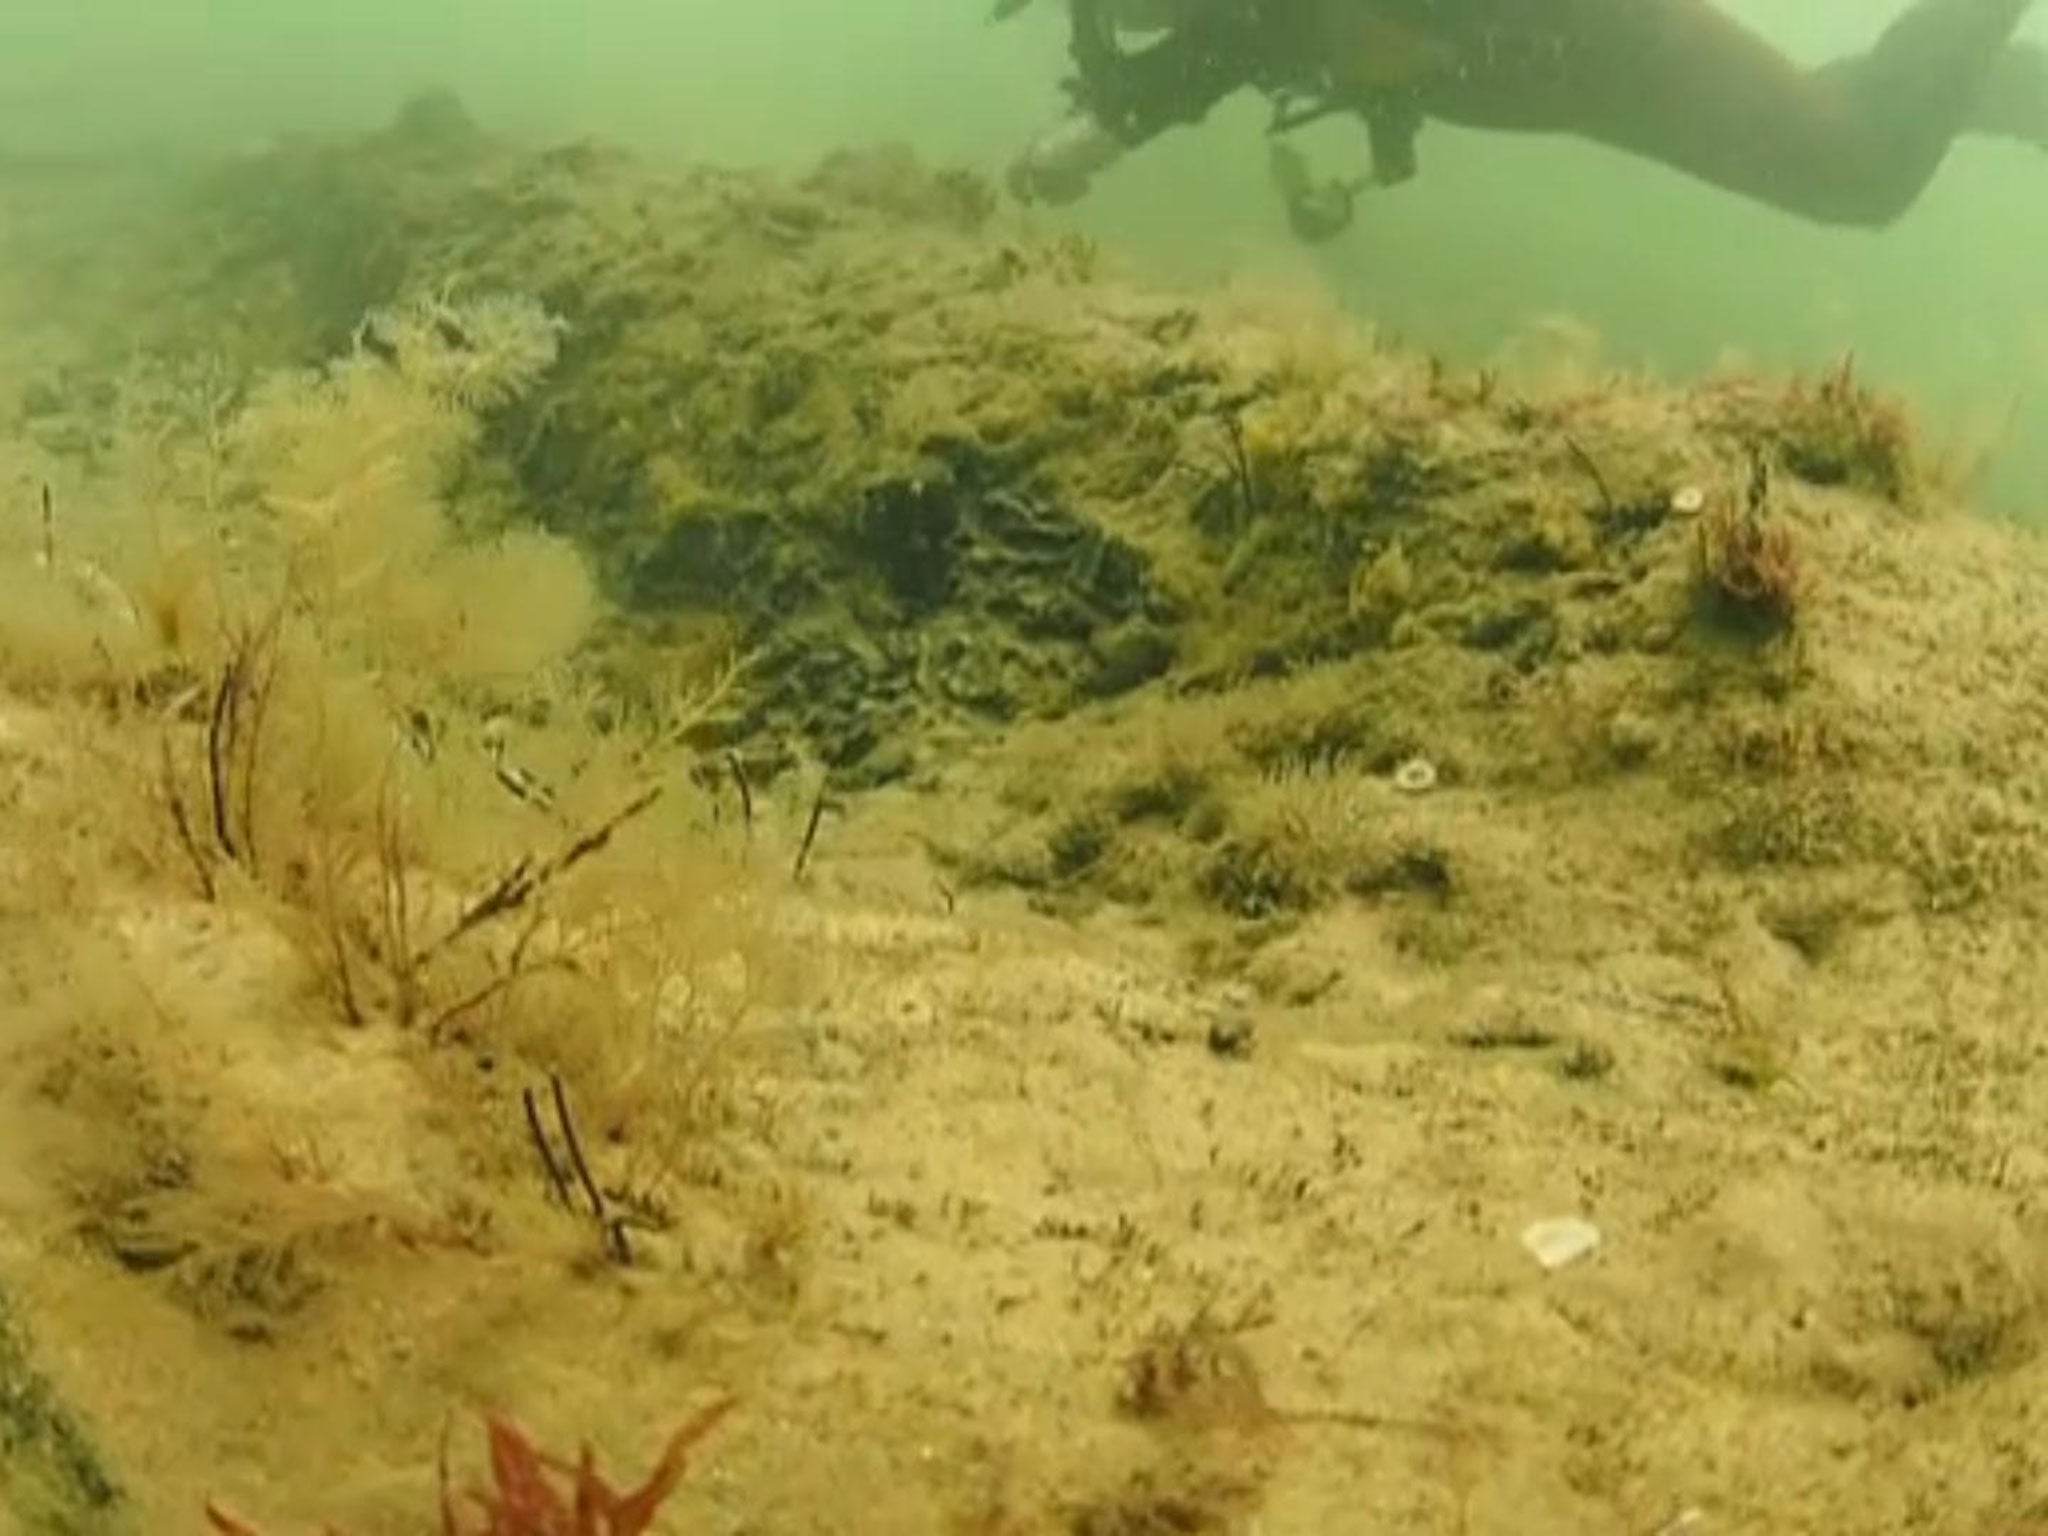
(936, 475)
(934, 470)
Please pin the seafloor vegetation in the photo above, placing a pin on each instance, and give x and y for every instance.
(636, 797)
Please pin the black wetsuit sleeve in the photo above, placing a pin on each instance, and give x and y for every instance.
(1177, 80)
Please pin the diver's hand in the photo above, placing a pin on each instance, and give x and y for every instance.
(1058, 168)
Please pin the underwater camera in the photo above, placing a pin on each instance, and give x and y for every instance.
(1142, 67)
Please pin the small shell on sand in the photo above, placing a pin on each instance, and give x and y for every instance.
(1560, 1241)
(1417, 776)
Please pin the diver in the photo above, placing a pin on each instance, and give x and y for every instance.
(1680, 82)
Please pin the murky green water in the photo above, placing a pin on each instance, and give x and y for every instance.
(1498, 232)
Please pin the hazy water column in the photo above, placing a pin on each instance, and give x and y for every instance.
(1497, 233)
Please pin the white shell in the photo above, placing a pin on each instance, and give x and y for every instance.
(1560, 1241)
(1688, 500)
(1417, 776)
